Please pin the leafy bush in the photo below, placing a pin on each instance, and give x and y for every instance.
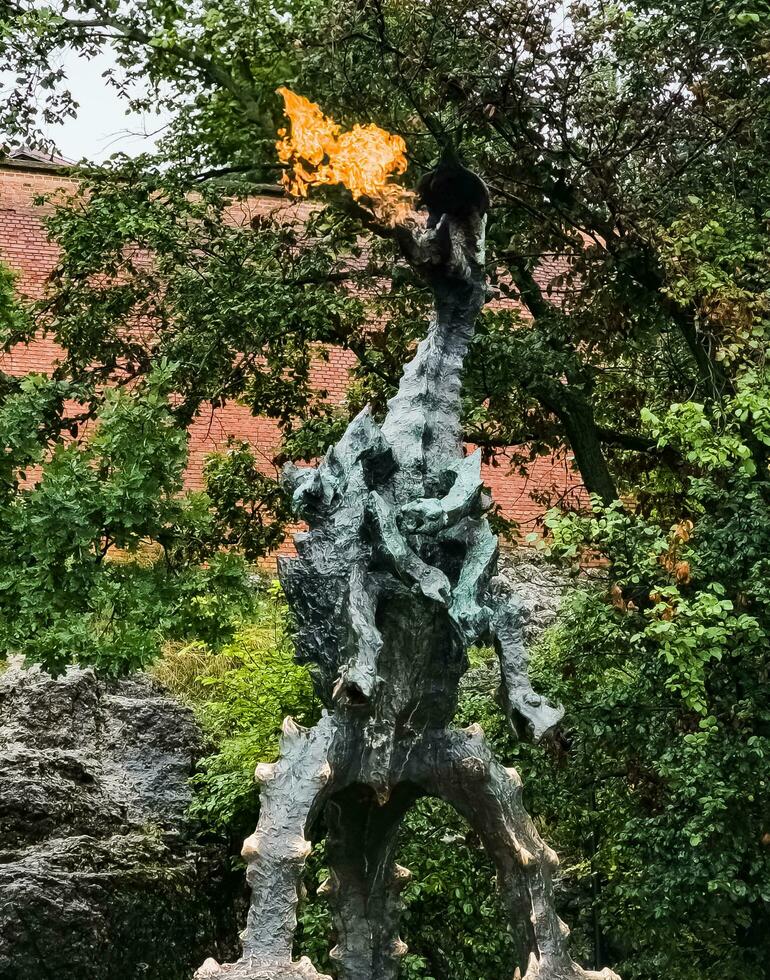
(103, 557)
(668, 731)
(241, 695)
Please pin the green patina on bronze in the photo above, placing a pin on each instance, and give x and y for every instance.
(392, 583)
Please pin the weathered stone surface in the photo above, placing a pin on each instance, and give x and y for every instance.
(538, 585)
(100, 876)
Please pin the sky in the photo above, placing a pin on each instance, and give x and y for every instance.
(102, 126)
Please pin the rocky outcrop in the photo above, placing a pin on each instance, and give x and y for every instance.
(100, 872)
(539, 586)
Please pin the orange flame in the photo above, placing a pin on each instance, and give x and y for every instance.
(363, 159)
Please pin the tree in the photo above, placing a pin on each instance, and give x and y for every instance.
(629, 140)
(103, 556)
(603, 137)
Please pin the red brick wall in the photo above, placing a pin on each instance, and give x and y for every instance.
(25, 248)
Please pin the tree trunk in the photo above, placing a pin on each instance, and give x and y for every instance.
(583, 435)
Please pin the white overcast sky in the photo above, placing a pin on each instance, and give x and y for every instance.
(102, 126)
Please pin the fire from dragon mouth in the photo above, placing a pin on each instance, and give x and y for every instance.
(315, 151)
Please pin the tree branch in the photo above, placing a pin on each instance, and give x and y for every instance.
(211, 69)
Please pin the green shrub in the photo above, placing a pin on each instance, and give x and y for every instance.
(103, 556)
(241, 695)
(660, 793)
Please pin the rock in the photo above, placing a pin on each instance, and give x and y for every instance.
(539, 585)
(100, 872)
(303, 969)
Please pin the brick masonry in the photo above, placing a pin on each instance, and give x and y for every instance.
(25, 247)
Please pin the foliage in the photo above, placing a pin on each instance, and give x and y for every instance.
(665, 674)
(657, 809)
(241, 696)
(102, 555)
(252, 509)
(235, 296)
(12, 312)
(628, 140)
